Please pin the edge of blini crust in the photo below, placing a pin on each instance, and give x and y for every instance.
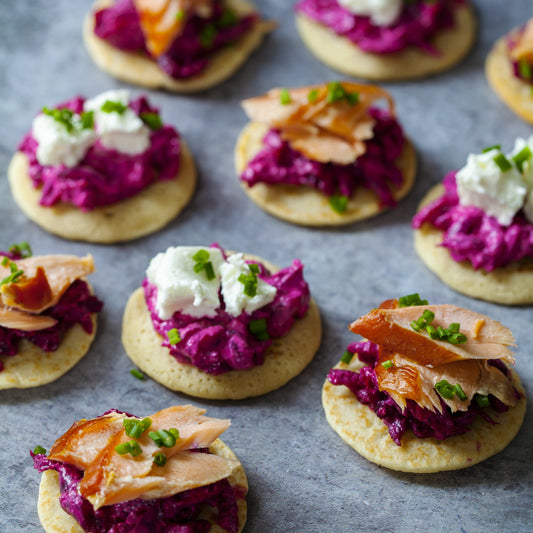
(361, 429)
(508, 285)
(138, 69)
(55, 520)
(515, 93)
(142, 214)
(343, 55)
(307, 206)
(284, 360)
(32, 366)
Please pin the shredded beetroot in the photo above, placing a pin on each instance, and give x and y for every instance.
(472, 235)
(105, 176)
(423, 422)
(417, 25)
(189, 54)
(278, 163)
(223, 343)
(74, 307)
(181, 513)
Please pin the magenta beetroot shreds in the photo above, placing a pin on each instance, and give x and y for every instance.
(278, 163)
(417, 25)
(223, 343)
(188, 55)
(472, 235)
(105, 176)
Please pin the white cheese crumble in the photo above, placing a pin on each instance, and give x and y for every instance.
(381, 12)
(483, 184)
(179, 287)
(58, 146)
(232, 289)
(124, 132)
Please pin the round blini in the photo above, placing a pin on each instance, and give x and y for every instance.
(138, 69)
(142, 214)
(360, 428)
(32, 366)
(305, 205)
(55, 520)
(343, 55)
(509, 285)
(514, 92)
(285, 358)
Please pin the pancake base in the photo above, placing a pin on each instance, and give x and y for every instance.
(509, 285)
(142, 214)
(285, 358)
(55, 520)
(343, 55)
(514, 92)
(32, 366)
(137, 69)
(305, 205)
(360, 428)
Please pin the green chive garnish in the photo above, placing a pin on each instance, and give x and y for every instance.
(347, 357)
(525, 69)
(482, 401)
(63, 116)
(285, 97)
(132, 447)
(312, 96)
(207, 35)
(521, 157)
(22, 248)
(489, 148)
(410, 300)
(227, 19)
(502, 162)
(446, 390)
(460, 392)
(39, 450)
(135, 428)
(164, 438)
(432, 332)
(152, 120)
(137, 373)
(338, 203)
(258, 328)
(387, 364)
(201, 257)
(5, 261)
(173, 336)
(87, 120)
(250, 280)
(113, 107)
(337, 93)
(160, 459)
(180, 14)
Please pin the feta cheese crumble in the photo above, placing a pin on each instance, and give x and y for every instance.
(381, 12)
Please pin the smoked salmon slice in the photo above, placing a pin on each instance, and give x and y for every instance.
(323, 128)
(112, 478)
(391, 329)
(13, 319)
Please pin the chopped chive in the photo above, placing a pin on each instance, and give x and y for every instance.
(173, 336)
(254, 267)
(337, 93)
(415, 326)
(201, 256)
(152, 120)
(137, 373)
(482, 401)
(22, 248)
(132, 447)
(175, 432)
(502, 162)
(160, 459)
(63, 116)
(432, 332)
(410, 300)
(441, 332)
(525, 69)
(346, 357)
(258, 328)
(227, 19)
(113, 107)
(521, 157)
(460, 392)
(312, 96)
(454, 327)
(39, 450)
(338, 203)
(446, 390)
(457, 338)
(180, 15)
(209, 271)
(428, 316)
(5, 261)
(489, 148)
(285, 97)
(87, 120)
(387, 364)
(135, 428)
(207, 35)
(163, 438)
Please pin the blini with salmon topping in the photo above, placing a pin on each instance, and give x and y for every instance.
(139, 69)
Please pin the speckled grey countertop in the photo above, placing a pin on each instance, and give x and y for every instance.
(302, 476)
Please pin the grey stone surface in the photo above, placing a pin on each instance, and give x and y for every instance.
(302, 476)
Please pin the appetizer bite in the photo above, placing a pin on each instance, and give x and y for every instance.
(430, 390)
(475, 231)
(221, 325)
(177, 45)
(325, 154)
(102, 170)
(47, 315)
(166, 472)
(509, 70)
(387, 39)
